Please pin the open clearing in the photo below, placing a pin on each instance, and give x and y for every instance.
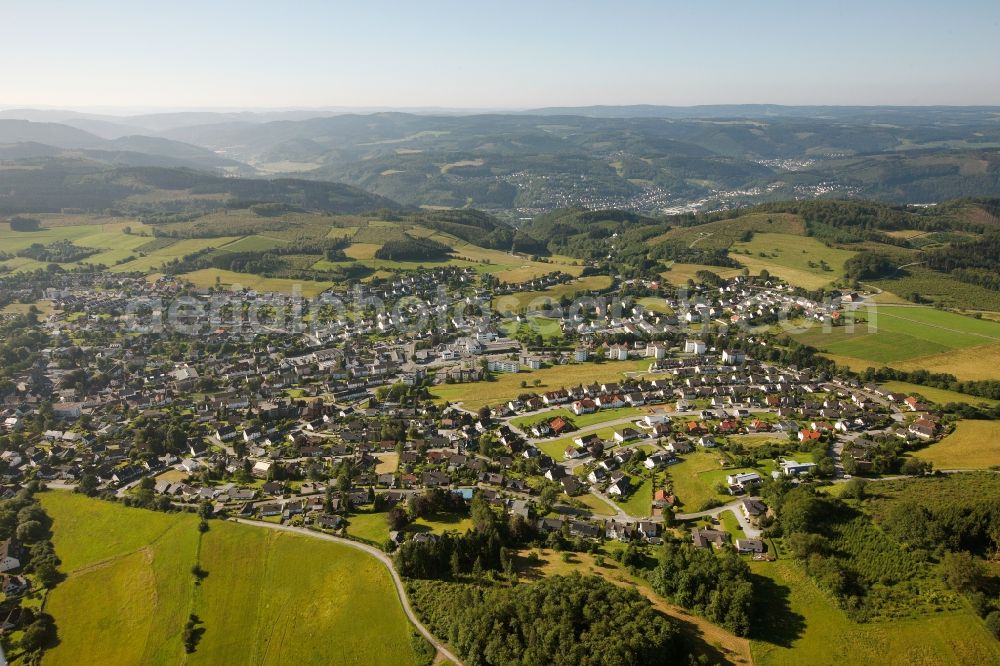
(538, 299)
(969, 364)
(508, 385)
(895, 334)
(795, 259)
(940, 396)
(206, 277)
(973, 445)
(268, 598)
(804, 627)
(679, 274)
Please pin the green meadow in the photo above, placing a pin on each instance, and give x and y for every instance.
(267, 597)
(894, 333)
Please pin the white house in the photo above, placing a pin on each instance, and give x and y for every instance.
(694, 347)
(734, 357)
(793, 468)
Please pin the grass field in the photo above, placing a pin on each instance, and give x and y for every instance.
(654, 304)
(895, 334)
(206, 277)
(156, 258)
(971, 363)
(268, 598)
(584, 420)
(690, 479)
(789, 257)
(538, 299)
(722, 234)
(804, 627)
(554, 448)
(937, 395)
(508, 385)
(388, 463)
(973, 445)
(679, 274)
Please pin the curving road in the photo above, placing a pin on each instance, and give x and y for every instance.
(734, 506)
(442, 651)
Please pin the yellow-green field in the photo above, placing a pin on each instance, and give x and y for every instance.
(530, 299)
(804, 627)
(940, 396)
(789, 258)
(690, 479)
(268, 598)
(679, 274)
(970, 364)
(206, 277)
(973, 445)
(508, 385)
(893, 335)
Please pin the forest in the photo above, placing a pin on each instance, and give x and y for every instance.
(413, 249)
(717, 586)
(562, 620)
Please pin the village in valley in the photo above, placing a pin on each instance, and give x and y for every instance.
(345, 419)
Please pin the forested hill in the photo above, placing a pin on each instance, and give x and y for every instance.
(54, 184)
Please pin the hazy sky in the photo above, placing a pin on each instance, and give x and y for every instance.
(496, 53)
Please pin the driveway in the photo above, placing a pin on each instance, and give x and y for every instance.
(734, 506)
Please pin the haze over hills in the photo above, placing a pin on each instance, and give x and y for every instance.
(652, 159)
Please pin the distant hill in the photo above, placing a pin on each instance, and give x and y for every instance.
(66, 138)
(53, 134)
(53, 184)
(651, 159)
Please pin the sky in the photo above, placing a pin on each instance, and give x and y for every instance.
(496, 54)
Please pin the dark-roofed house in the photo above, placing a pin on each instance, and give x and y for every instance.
(10, 554)
(703, 537)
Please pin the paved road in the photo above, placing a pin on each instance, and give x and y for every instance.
(381, 557)
(734, 506)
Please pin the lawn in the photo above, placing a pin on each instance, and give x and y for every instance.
(795, 259)
(639, 503)
(595, 504)
(973, 445)
(508, 385)
(803, 626)
(439, 523)
(731, 524)
(583, 420)
(268, 597)
(694, 479)
(388, 463)
(370, 526)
